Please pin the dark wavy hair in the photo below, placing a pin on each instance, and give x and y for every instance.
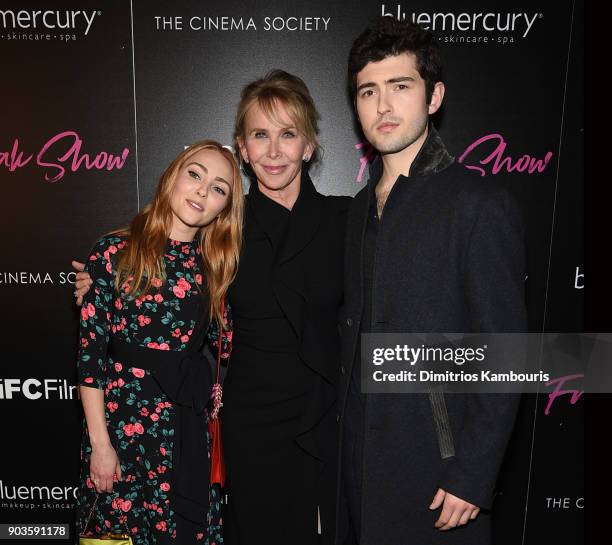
(387, 37)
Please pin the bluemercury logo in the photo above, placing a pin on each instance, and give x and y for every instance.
(54, 20)
(40, 493)
(53, 160)
(35, 389)
(475, 22)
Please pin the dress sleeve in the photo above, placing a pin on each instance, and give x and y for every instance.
(95, 315)
(226, 334)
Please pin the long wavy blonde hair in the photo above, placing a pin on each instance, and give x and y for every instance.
(142, 259)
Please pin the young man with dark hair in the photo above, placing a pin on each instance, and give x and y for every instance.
(430, 248)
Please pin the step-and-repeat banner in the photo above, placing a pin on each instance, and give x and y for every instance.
(97, 98)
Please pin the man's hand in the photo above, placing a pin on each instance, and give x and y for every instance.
(455, 511)
(83, 282)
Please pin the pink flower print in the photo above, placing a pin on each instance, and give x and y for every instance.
(143, 320)
(178, 291)
(185, 249)
(91, 310)
(112, 249)
(88, 380)
(183, 284)
(162, 450)
(138, 302)
(120, 382)
(92, 335)
(161, 469)
(164, 346)
(165, 486)
(118, 367)
(126, 506)
(88, 483)
(152, 344)
(108, 267)
(144, 411)
(149, 297)
(138, 428)
(170, 257)
(176, 332)
(112, 406)
(128, 429)
(161, 525)
(151, 474)
(137, 372)
(156, 283)
(158, 298)
(154, 417)
(84, 343)
(198, 278)
(117, 503)
(118, 304)
(185, 339)
(199, 536)
(84, 314)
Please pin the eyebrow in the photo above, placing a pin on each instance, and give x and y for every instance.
(282, 128)
(398, 79)
(218, 178)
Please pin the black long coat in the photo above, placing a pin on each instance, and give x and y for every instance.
(449, 258)
(306, 279)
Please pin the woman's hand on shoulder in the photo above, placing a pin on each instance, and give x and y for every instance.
(83, 282)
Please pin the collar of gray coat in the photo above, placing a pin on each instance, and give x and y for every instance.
(433, 157)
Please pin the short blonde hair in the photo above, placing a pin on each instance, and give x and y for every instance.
(291, 91)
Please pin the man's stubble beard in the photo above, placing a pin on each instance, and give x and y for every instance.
(402, 141)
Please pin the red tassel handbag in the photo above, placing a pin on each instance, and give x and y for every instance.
(217, 463)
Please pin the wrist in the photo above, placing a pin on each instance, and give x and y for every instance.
(100, 443)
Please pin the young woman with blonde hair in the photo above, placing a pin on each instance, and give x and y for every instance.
(279, 411)
(158, 285)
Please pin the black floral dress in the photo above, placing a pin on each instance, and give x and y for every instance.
(141, 419)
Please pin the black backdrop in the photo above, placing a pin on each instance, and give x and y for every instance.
(98, 96)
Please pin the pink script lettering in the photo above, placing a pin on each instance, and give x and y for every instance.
(558, 392)
(100, 161)
(367, 156)
(56, 162)
(14, 159)
(498, 162)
